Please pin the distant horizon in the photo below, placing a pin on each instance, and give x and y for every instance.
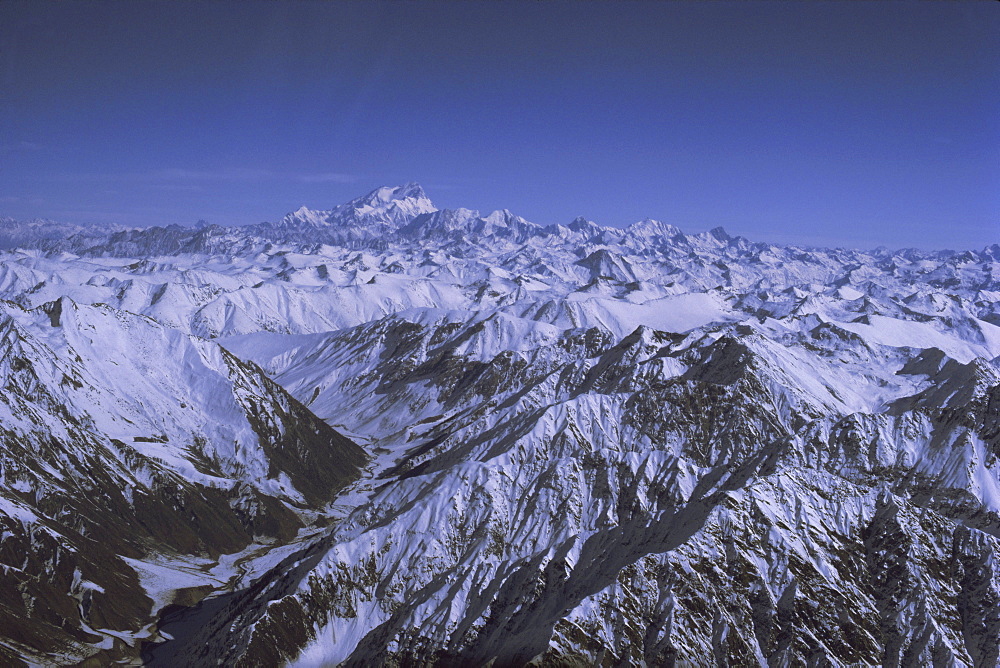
(853, 125)
(796, 243)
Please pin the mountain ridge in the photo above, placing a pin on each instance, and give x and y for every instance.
(360, 222)
(566, 445)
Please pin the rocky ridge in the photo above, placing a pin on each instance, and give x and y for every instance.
(589, 445)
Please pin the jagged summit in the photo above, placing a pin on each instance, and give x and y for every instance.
(720, 233)
(580, 223)
(386, 194)
(369, 218)
(652, 229)
(394, 203)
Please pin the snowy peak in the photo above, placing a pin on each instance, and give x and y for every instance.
(392, 204)
(505, 224)
(647, 235)
(387, 194)
(579, 435)
(367, 219)
(720, 233)
(123, 439)
(583, 226)
(466, 224)
(605, 265)
(582, 231)
(442, 225)
(305, 213)
(652, 229)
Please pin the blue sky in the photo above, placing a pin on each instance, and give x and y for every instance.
(825, 123)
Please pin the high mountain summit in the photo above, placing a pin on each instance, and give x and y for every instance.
(387, 434)
(380, 212)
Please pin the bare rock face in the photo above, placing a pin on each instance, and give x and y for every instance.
(125, 441)
(582, 446)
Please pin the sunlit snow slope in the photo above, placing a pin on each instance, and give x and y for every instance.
(580, 445)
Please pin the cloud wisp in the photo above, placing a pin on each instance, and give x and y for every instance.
(179, 176)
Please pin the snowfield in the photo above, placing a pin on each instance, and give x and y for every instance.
(385, 433)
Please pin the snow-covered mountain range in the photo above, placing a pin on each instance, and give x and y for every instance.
(387, 434)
